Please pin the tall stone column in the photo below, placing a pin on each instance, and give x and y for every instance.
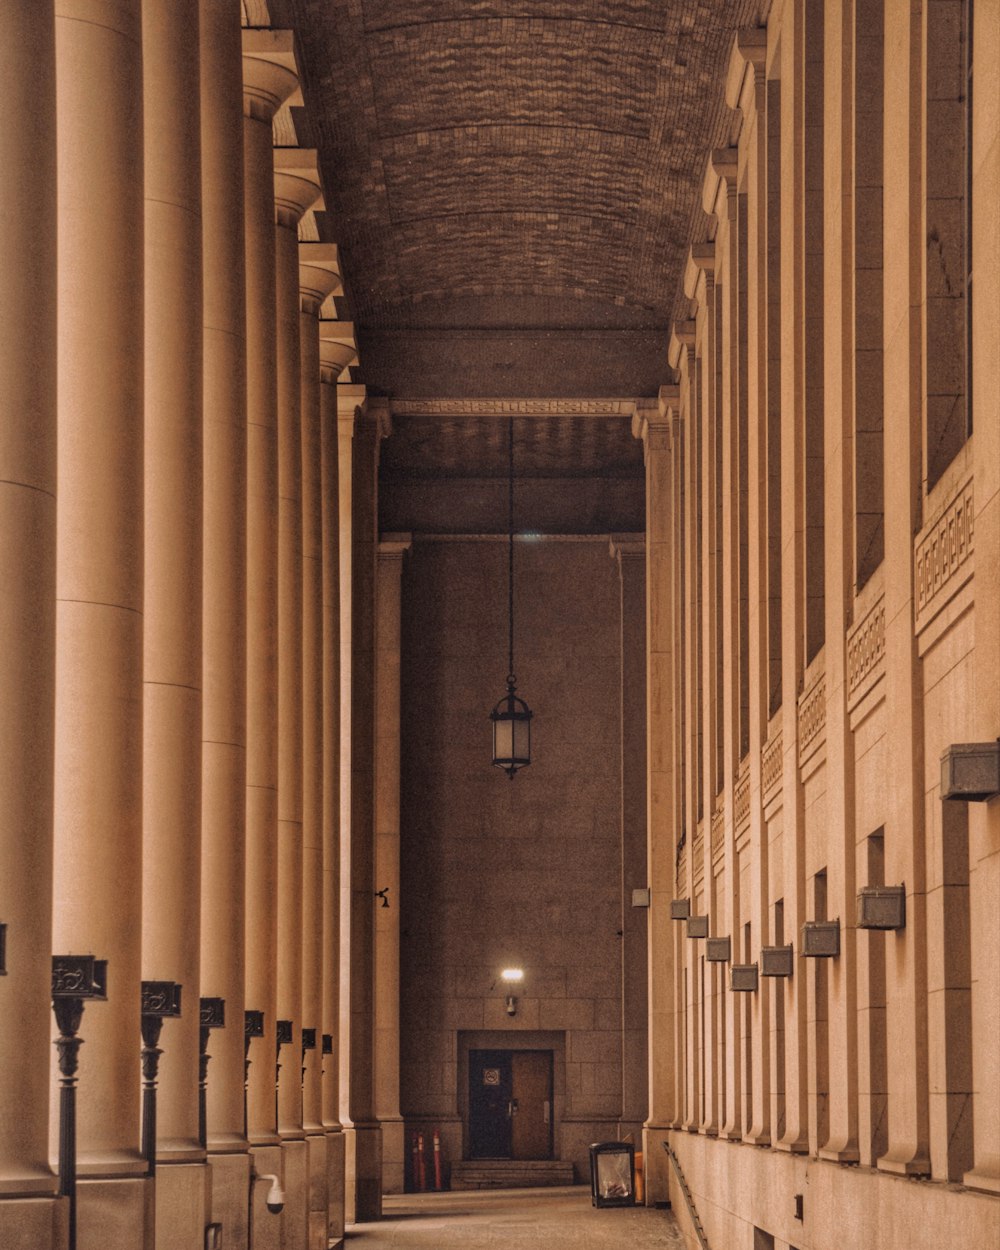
(171, 765)
(296, 184)
(652, 424)
(908, 1152)
(27, 611)
(363, 1196)
(629, 551)
(98, 744)
(388, 647)
(224, 608)
(334, 355)
(269, 78)
(984, 818)
(319, 276)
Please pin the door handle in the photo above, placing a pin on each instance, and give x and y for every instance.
(546, 1111)
(512, 1108)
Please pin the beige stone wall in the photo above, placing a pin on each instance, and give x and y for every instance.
(829, 248)
(525, 872)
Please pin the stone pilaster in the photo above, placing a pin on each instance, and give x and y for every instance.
(388, 641)
(28, 613)
(98, 745)
(223, 759)
(171, 860)
(652, 423)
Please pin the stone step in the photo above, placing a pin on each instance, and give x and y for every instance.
(510, 1173)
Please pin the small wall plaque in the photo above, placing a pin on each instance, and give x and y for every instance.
(821, 939)
(776, 961)
(882, 907)
(743, 978)
(970, 771)
(717, 950)
(697, 927)
(680, 908)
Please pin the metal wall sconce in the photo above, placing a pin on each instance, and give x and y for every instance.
(717, 950)
(776, 961)
(75, 979)
(3, 950)
(821, 939)
(882, 907)
(212, 1016)
(161, 1000)
(697, 927)
(680, 908)
(383, 894)
(970, 772)
(743, 978)
(308, 1043)
(253, 1026)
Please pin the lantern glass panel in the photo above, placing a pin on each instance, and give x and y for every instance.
(503, 739)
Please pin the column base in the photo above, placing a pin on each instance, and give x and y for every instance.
(896, 1166)
(393, 1156)
(115, 1214)
(847, 1154)
(295, 1178)
(317, 1201)
(363, 1173)
(335, 1184)
(33, 1223)
(230, 1196)
(266, 1226)
(183, 1199)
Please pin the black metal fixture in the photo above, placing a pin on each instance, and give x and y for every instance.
(213, 1016)
(3, 950)
(511, 717)
(717, 950)
(75, 978)
(680, 908)
(882, 907)
(383, 894)
(253, 1026)
(821, 939)
(282, 1037)
(161, 1000)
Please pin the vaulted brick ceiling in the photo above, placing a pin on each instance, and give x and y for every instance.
(513, 183)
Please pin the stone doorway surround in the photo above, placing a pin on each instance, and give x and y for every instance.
(514, 1040)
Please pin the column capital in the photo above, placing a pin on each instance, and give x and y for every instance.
(270, 74)
(651, 420)
(319, 275)
(337, 349)
(749, 52)
(296, 184)
(625, 547)
(394, 546)
(681, 336)
(700, 258)
(720, 181)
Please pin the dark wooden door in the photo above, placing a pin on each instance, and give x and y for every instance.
(531, 1123)
(510, 1104)
(489, 1104)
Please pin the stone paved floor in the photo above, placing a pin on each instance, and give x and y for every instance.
(512, 1219)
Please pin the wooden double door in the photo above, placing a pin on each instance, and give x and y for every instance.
(510, 1104)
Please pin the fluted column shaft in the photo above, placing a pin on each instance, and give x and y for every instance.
(98, 748)
(267, 84)
(172, 584)
(28, 576)
(223, 813)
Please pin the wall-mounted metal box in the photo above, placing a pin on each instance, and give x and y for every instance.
(970, 771)
(776, 961)
(821, 938)
(680, 908)
(3, 950)
(697, 927)
(161, 998)
(717, 950)
(743, 978)
(641, 898)
(882, 907)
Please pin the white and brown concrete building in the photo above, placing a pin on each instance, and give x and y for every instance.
(282, 283)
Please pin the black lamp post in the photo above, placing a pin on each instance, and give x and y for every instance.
(511, 717)
(161, 1000)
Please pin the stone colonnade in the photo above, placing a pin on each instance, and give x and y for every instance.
(171, 695)
(822, 628)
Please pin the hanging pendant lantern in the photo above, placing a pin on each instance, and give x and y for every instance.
(511, 717)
